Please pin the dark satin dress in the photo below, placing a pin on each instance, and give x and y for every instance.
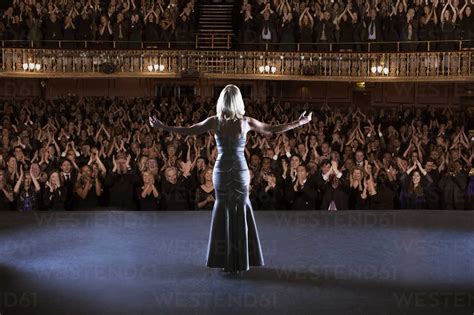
(233, 241)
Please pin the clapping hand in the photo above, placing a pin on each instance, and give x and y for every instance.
(155, 122)
(210, 198)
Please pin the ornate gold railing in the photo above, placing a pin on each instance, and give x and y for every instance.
(454, 65)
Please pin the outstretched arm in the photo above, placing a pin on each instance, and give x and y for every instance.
(268, 129)
(196, 129)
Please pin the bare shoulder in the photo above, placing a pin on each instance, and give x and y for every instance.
(249, 120)
(212, 121)
(252, 122)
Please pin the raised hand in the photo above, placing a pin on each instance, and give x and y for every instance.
(155, 122)
(304, 119)
(48, 184)
(114, 162)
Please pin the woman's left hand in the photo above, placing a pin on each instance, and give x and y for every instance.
(304, 119)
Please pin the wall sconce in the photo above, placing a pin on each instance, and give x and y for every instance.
(31, 66)
(267, 69)
(156, 67)
(380, 69)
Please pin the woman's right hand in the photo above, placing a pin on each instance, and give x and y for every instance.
(155, 122)
(304, 119)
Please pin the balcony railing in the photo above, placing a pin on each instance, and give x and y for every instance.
(232, 43)
(39, 62)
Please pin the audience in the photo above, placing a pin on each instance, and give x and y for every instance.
(316, 25)
(127, 22)
(350, 25)
(90, 153)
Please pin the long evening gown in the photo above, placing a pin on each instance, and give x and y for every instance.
(233, 240)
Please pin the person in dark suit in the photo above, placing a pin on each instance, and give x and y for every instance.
(267, 33)
(383, 192)
(373, 25)
(335, 196)
(121, 182)
(68, 178)
(270, 193)
(324, 32)
(53, 30)
(175, 191)
(453, 185)
(303, 194)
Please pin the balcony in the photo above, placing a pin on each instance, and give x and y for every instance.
(166, 62)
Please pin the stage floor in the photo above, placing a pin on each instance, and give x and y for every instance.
(351, 262)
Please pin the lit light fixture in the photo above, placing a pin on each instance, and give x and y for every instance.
(360, 85)
(31, 66)
(379, 69)
(156, 67)
(267, 69)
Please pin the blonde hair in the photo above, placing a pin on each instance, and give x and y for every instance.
(230, 105)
